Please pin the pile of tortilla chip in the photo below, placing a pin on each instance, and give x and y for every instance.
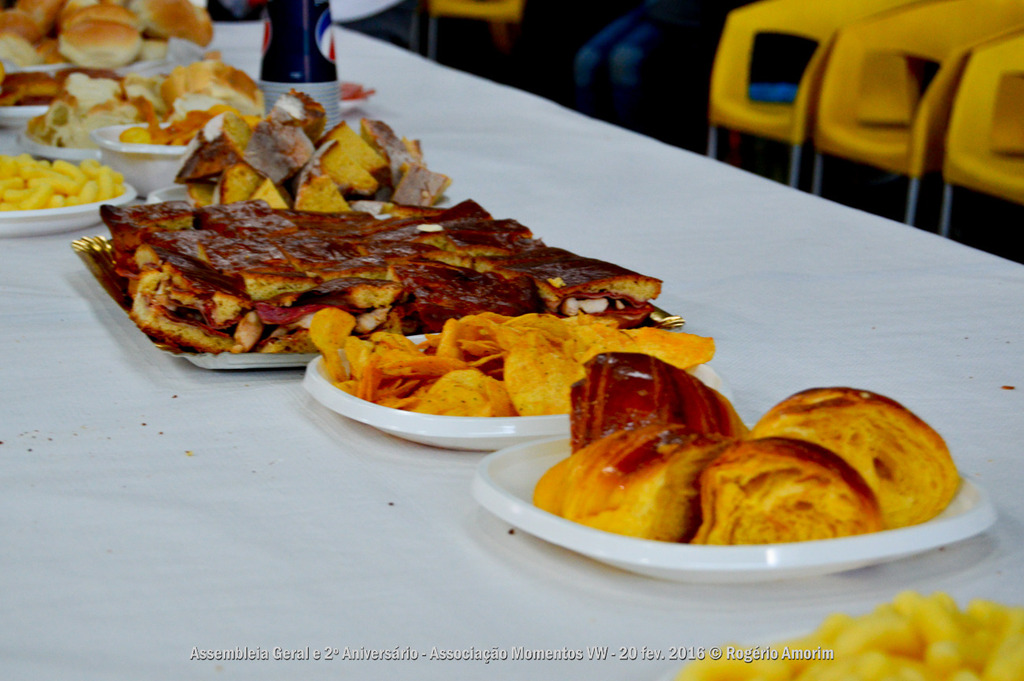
(486, 364)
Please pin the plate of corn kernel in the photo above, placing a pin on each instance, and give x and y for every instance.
(49, 197)
(929, 637)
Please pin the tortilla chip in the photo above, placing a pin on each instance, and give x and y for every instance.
(539, 373)
(330, 330)
(465, 392)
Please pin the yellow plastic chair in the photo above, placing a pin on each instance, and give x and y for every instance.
(985, 139)
(889, 85)
(730, 105)
(502, 15)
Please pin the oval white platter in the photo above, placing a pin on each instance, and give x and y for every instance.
(505, 481)
(57, 220)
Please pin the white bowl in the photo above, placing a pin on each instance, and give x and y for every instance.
(147, 166)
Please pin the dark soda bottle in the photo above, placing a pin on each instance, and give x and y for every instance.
(298, 53)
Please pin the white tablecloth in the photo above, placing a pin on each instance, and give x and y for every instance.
(151, 510)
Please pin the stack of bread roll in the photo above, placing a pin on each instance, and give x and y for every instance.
(98, 33)
(823, 463)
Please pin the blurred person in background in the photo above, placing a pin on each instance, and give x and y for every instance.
(650, 69)
(551, 33)
(390, 20)
(235, 10)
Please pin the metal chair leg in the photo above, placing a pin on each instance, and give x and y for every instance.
(947, 209)
(795, 157)
(414, 30)
(816, 177)
(432, 38)
(913, 191)
(713, 141)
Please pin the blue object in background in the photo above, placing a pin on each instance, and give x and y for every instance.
(780, 93)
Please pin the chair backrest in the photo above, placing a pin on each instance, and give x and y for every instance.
(890, 80)
(985, 139)
(730, 104)
(506, 11)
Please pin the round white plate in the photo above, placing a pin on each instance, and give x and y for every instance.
(57, 220)
(473, 433)
(55, 153)
(505, 481)
(175, 192)
(151, 166)
(18, 116)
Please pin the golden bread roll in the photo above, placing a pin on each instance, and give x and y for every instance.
(44, 12)
(640, 483)
(153, 49)
(174, 19)
(16, 49)
(69, 8)
(776, 490)
(103, 12)
(624, 390)
(100, 44)
(20, 22)
(904, 461)
(49, 50)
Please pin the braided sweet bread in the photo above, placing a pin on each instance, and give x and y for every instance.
(904, 461)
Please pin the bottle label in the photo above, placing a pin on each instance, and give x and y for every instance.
(325, 36)
(298, 42)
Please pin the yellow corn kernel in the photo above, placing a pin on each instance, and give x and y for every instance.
(37, 198)
(69, 170)
(136, 136)
(105, 185)
(90, 192)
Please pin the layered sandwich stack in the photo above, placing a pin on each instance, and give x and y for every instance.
(246, 277)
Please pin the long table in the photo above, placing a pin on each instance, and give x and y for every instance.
(157, 517)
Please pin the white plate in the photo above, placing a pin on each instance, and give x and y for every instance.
(57, 220)
(246, 360)
(172, 193)
(505, 481)
(55, 153)
(108, 138)
(471, 433)
(151, 166)
(18, 116)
